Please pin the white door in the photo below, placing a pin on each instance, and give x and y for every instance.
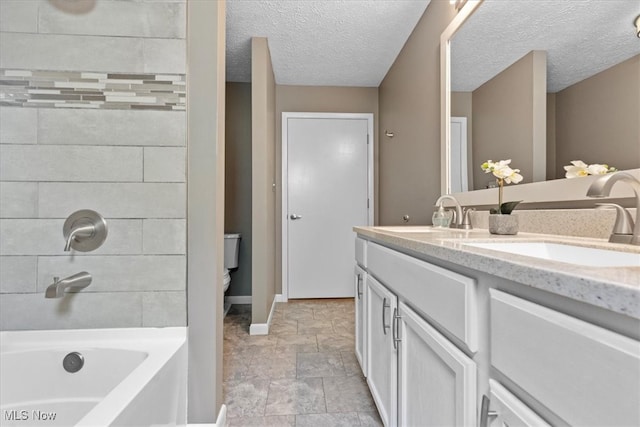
(459, 166)
(382, 358)
(436, 381)
(327, 191)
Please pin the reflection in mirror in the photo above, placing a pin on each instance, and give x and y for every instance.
(544, 83)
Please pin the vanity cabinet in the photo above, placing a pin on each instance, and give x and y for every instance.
(360, 282)
(436, 381)
(507, 410)
(360, 292)
(382, 357)
(584, 374)
(446, 348)
(416, 375)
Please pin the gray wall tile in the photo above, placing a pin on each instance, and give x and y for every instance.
(135, 200)
(18, 125)
(44, 237)
(164, 236)
(134, 19)
(112, 127)
(164, 164)
(161, 309)
(81, 310)
(19, 16)
(165, 56)
(118, 273)
(18, 199)
(70, 163)
(62, 52)
(100, 158)
(18, 274)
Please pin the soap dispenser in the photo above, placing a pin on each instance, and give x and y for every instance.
(441, 218)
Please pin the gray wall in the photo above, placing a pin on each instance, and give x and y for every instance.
(506, 111)
(263, 134)
(598, 119)
(206, 35)
(410, 107)
(58, 156)
(238, 180)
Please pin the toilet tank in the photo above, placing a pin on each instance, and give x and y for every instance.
(231, 247)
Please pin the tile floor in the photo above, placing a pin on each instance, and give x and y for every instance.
(304, 373)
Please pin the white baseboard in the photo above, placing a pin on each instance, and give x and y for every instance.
(238, 299)
(281, 298)
(222, 417)
(259, 329)
(263, 328)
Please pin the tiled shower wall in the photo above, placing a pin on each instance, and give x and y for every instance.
(106, 130)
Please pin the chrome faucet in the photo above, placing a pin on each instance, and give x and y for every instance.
(601, 187)
(82, 231)
(58, 288)
(461, 217)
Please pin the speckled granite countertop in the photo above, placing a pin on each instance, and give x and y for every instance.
(614, 288)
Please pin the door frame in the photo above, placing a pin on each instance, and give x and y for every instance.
(285, 179)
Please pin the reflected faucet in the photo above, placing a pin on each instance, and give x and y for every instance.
(76, 282)
(601, 187)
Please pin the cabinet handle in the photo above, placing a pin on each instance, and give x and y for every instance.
(395, 327)
(485, 413)
(358, 286)
(384, 323)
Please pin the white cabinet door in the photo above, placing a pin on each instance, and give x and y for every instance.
(436, 381)
(360, 293)
(381, 357)
(507, 410)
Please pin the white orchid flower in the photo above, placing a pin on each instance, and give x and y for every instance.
(504, 174)
(578, 169)
(500, 169)
(597, 169)
(514, 177)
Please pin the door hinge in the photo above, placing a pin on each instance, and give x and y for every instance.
(367, 203)
(367, 139)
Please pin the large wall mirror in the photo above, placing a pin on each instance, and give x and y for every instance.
(542, 83)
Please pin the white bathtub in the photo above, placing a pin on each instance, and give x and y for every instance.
(130, 377)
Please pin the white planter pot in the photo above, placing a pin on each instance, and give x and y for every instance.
(503, 224)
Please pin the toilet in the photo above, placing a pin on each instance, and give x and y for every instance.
(231, 247)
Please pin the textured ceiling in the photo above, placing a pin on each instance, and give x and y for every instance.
(321, 43)
(581, 37)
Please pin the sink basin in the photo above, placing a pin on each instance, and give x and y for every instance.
(413, 229)
(565, 253)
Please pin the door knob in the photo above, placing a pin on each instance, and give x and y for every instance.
(294, 216)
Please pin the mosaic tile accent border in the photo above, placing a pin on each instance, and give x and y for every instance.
(71, 89)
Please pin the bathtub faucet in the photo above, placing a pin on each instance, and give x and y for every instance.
(76, 282)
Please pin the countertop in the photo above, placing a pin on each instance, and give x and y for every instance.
(613, 288)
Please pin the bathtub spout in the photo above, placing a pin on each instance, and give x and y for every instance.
(58, 288)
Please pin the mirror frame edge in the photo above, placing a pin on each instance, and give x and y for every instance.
(558, 191)
(445, 90)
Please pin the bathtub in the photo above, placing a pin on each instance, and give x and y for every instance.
(130, 377)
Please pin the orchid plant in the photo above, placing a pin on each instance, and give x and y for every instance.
(578, 169)
(504, 174)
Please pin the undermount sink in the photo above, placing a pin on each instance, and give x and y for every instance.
(579, 255)
(413, 229)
